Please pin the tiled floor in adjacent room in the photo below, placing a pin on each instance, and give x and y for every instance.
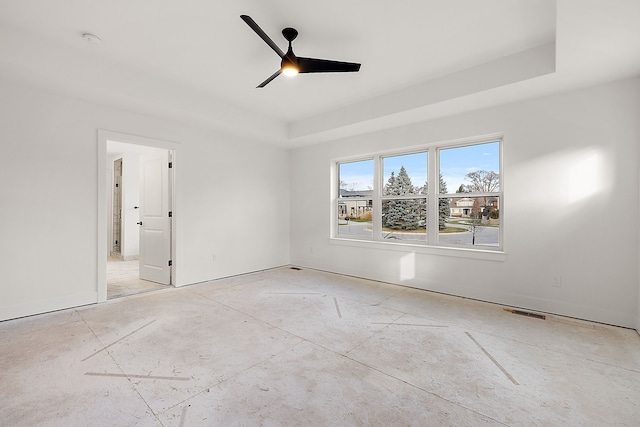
(307, 348)
(123, 278)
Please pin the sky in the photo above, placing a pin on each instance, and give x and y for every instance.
(455, 163)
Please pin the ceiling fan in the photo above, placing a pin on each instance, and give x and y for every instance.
(292, 64)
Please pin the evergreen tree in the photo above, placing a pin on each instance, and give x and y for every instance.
(389, 188)
(391, 185)
(403, 183)
(400, 214)
(444, 210)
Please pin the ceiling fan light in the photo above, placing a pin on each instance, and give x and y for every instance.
(289, 70)
(289, 64)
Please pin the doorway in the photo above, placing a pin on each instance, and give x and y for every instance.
(123, 279)
(136, 193)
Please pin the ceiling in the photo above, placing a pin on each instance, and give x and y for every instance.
(196, 61)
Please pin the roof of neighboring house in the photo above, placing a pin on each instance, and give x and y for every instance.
(490, 199)
(356, 193)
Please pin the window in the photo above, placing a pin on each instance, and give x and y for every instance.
(469, 195)
(387, 197)
(404, 197)
(355, 200)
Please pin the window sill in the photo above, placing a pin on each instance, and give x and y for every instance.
(481, 254)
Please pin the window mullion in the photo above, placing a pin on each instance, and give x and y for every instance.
(432, 196)
(489, 194)
(404, 197)
(377, 198)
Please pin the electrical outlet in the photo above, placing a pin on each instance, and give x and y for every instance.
(557, 281)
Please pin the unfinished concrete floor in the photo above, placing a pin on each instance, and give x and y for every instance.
(306, 348)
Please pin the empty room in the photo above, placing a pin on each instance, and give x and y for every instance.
(345, 213)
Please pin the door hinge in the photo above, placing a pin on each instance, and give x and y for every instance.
(170, 214)
(170, 262)
(170, 165)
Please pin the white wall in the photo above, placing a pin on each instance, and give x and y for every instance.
(233, 198)
(110, 174)
(570, 209)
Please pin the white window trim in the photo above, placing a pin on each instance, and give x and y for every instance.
(431, 246)
(450, 251)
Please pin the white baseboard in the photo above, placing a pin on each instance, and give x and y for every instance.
(30, 308)
(567, 309)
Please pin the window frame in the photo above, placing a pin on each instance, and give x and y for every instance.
(432, 197)
(335, 205)
(379, 164)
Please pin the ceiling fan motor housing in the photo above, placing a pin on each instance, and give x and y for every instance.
(289, 60)
(290, 34)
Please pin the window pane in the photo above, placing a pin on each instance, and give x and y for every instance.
(404, 219)
(472, 221)
(405, 174)
(473, 168)
(356, 177)
(355, 218)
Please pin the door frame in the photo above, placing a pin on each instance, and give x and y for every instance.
(103, 186)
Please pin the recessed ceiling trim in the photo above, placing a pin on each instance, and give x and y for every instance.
(519, 67)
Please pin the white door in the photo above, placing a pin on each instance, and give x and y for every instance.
(155, 226)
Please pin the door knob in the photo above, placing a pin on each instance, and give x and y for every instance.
(139, 223)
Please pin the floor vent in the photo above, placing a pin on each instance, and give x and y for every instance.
(527, 313)
(296, 268)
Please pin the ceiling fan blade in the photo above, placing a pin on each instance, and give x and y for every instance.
(314, 65)
(251, 23)
(266, 82)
